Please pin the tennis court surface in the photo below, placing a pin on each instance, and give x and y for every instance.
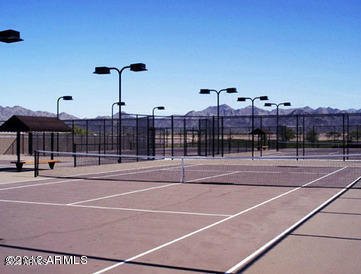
(183, 215)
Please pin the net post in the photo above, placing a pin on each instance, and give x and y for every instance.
(182, 171)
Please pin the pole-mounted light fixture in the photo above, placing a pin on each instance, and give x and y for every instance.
(286, 104)
(243, 99)
(106, 70)
(10, 36)
(208, 91)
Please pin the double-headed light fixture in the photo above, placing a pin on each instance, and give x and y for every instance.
(208, 91)
(286, 104)
(106, 70)
(243, 99)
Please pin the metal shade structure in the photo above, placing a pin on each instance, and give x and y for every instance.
(33, 123)
(20, 124)
(10, 36)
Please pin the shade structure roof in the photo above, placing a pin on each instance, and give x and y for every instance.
(18, 123)
(259, 131)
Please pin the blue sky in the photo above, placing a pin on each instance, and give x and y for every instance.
(306, 52)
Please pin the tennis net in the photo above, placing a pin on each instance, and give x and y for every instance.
(323, 171)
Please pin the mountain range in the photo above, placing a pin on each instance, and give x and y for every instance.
(7, 112)
(224, 110)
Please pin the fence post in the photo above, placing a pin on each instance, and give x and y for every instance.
(30, 141)
(303, 135)
(213, 136)
(184, 137)
(104, 138)
(86, 136)
(137, 136)
(297, 136)
(343, 136)
(348, 134)
(222, 137)
(52, 145)
(36, 159)
(74, 156)
(172, 135)
(148, 149)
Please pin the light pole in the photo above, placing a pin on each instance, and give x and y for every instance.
(10, 36)
(208, 91)
(286, 104)
(106, 70)
(153, 123)
(116, 103)
(243, 99)
(65, 98)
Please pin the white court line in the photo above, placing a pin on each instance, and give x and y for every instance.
(141, 190)
(119, 208)
(73, 180)
(284, 233)
(199, 179)
(28, 202)
(263, 172)
(155, 211)
(126, 193)
(41, 184)
(238, 171)
(122, 194)
(211, 225)
(24, 181)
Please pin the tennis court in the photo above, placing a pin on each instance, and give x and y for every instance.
(184, 215)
